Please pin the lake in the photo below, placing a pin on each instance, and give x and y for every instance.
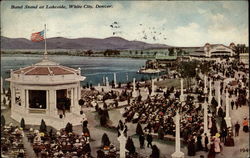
(93, 68)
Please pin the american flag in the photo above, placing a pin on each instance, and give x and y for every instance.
(37, 36)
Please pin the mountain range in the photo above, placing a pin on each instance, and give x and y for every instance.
(115, 43)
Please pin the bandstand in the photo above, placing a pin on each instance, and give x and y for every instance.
(48, 91)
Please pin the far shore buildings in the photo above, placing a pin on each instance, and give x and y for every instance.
(47, 91)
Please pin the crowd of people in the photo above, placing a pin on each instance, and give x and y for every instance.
(12, 141)
(157, 112)
(64, 143)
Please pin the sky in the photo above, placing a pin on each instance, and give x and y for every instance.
(175, 23)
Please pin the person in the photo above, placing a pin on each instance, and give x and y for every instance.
(211, 153)
(100, 154)
(149, 140)
(191, 146)
(223, 135)
(155, 152)
(245, 125)
(141, 139)
(217, 147)
(199, 146)
(232, 104)
(206, 142)
(237, 129)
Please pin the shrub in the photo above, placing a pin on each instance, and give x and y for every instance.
(130, 146)
(22, 123)
(43, 127)
(105, 140)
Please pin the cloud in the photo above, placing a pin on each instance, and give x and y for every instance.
(222, 30)
(190, 35)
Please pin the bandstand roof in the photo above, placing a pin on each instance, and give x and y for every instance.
(46, 72)
(46, 67)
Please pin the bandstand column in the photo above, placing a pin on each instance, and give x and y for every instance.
(71, 97)
(177, 153)
(47, 102)
(12, 95)
(27, 101)
(1, 85)
(79, 91)
(52, 102)
(75, 97)
(22, 97)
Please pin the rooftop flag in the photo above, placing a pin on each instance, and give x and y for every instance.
(37, 36)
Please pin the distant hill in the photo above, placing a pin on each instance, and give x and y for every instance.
(78, 43)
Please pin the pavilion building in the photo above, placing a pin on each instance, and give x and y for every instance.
(48, 91)
(215, 50)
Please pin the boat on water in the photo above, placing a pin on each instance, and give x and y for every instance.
(144, 70)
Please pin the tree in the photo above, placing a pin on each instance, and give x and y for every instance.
(155, 152)
(105, 140)
(187, 70)
(139, 130)
(89, 52)
(130, 145)
(171, 51)
(179, 52)
(43, 127)
(22, 123)
(2, 121)
(204, 67)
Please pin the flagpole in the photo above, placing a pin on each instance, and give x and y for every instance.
(45, 45)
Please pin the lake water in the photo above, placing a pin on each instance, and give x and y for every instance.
(93, 68)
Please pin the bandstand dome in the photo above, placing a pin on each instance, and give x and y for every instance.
(48, 91)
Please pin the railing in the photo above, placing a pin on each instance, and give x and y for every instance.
(37, 111)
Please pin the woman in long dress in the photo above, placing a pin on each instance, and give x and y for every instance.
(211, 153)
(217, 145)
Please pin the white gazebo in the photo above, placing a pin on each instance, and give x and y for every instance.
(47, 91)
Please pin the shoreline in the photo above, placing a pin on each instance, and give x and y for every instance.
(148, 57)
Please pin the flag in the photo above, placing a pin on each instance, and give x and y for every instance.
(38, 36)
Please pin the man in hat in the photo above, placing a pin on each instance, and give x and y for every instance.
(141, 139)
(237, 129)
(149, 139)
(206, 142)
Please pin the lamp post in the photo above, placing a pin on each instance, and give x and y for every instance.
(182, 95)
(227, 118)
(177, 153)
(134, 92)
